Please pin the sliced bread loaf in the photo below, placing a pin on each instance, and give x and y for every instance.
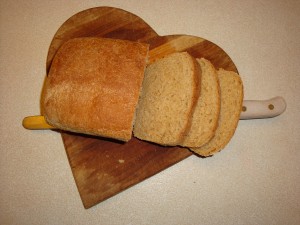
(231, 106)
(171, 88)
(204, 120)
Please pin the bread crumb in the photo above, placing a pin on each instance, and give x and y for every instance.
(121, 160)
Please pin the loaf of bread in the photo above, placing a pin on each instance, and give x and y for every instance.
(171, 88)
(231, 106)
(204, 120)
(93, 86)
(101, 87)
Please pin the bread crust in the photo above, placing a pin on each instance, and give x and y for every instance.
(93, 86)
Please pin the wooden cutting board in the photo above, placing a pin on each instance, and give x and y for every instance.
(103, 167)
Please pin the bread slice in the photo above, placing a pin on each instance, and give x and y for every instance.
(93, 86)
(171, 88)
(231, 107)
(204, 120)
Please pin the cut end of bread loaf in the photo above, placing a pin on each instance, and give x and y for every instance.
(231, 105)
(93, 86)
(170, 92)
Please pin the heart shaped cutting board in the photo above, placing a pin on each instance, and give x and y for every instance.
(102, 167)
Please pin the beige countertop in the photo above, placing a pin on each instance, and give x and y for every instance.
(254, 180)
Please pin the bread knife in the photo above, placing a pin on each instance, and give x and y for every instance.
(252, 109)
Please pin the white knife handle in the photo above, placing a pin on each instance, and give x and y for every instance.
(259, 109)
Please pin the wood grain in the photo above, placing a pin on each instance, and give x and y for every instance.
(103, 167)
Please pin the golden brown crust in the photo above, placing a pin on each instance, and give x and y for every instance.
(93, 86)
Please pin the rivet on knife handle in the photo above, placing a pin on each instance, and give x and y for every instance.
(259, 109)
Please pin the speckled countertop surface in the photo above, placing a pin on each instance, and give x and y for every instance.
(255, 180)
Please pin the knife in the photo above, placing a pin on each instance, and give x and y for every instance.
(252, 109)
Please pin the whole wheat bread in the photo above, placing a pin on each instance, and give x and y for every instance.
(231, 106)
(171, 88)
(93, 86)
(204, 120)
